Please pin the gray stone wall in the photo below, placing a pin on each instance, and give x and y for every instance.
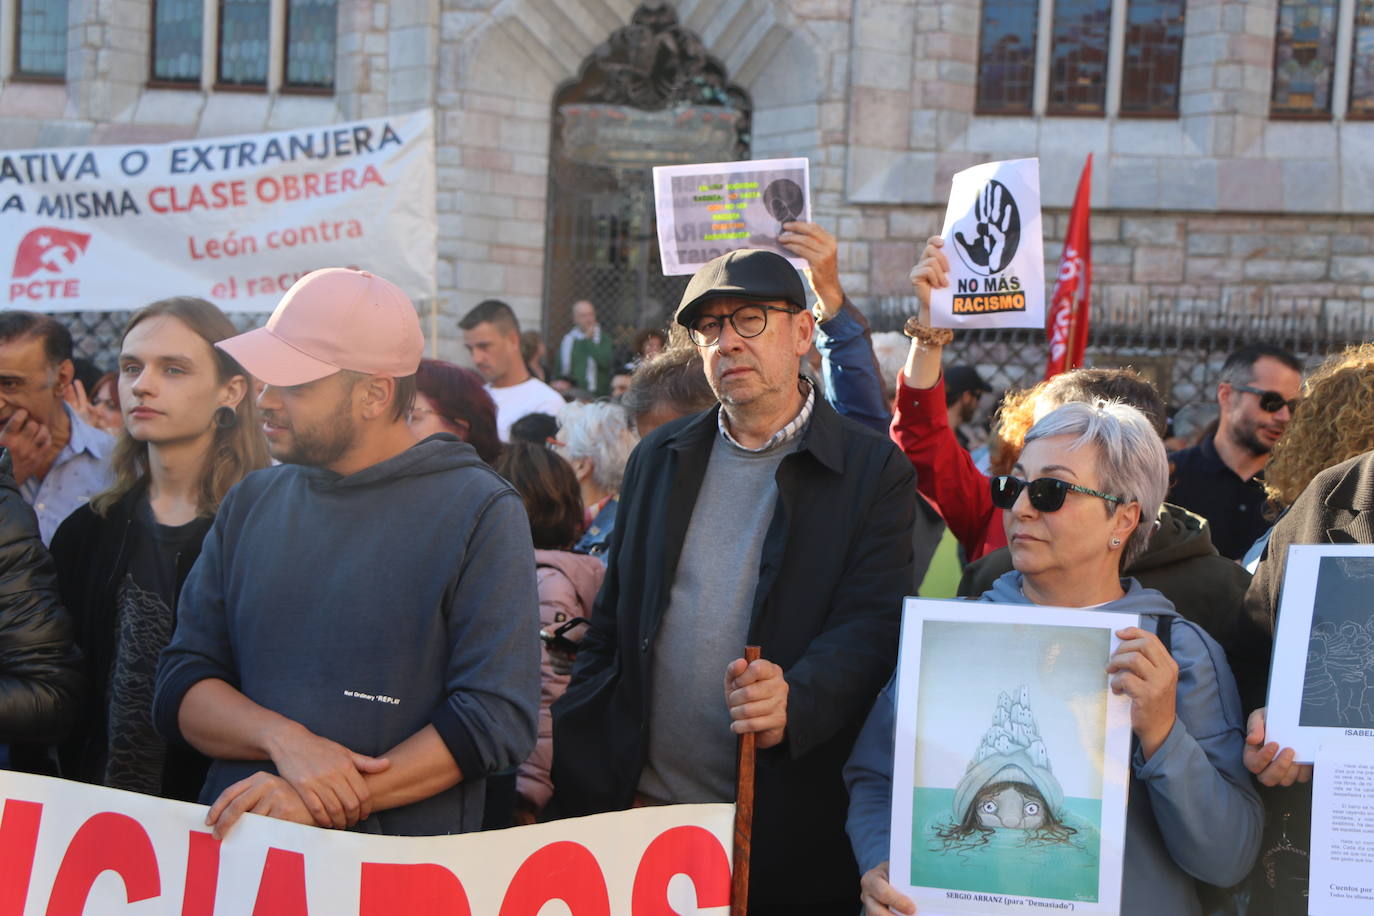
(879, 94)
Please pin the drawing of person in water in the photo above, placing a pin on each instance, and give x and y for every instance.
(1009, 785)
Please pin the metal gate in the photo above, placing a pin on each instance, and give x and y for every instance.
(649, 95)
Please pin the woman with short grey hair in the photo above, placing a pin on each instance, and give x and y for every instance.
(596, 439)
(1080, 502)
(1131, 460)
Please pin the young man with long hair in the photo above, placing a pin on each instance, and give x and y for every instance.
(190, 433)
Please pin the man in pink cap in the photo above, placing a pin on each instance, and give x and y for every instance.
(357, 643)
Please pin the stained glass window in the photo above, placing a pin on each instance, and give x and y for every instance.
(177, 26)
(1362, 71)
(1153, 57)
(310, 43)
(243, 36)
(1006, 57)
(1304, 55)
(1078, 56)
(42, 42)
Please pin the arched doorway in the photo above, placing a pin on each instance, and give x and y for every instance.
(649, 95)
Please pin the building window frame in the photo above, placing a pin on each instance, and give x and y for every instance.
(11, 12)
(156, 82)
(209, 56)
(1116, 49)
(1342, 73)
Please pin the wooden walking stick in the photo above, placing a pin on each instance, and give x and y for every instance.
(744, 813)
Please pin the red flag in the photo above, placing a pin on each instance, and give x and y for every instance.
(1071, 301)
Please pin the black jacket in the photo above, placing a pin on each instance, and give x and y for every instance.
(92, 556)
(40, 669)
(836, 562)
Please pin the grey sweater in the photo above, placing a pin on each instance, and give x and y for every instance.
(691, 748)
(367, 607)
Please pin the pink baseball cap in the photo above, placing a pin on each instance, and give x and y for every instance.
(331, 319)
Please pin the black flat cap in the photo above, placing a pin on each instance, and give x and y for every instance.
(747, 273)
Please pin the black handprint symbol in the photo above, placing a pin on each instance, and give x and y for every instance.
(997, 231)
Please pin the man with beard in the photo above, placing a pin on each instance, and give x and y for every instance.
(1220, 477)
(356, 644)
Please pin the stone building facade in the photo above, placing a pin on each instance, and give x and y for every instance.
(1221, 201)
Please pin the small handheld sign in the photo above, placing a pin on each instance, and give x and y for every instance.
(996, 250)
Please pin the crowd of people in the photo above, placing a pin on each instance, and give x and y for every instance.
(305, 572)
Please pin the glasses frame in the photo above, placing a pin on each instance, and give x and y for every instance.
(730, 316)
(1268, 397)
(1046, 494)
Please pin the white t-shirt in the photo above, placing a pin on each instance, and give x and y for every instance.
(516, 401)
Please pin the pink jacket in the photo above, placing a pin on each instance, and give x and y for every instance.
(568, 583)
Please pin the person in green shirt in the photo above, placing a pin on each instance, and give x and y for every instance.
(587, 354)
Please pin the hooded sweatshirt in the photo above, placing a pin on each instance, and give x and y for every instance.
(568, 583)
(365, 608)
(1180, 562)
(1191, 812)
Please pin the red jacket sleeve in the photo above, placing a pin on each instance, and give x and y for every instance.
(945, 473)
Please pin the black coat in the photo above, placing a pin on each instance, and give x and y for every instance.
(40, 669)
(92, 556)
(836, 563)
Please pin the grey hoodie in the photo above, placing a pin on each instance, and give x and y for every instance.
(1191, 813)
(367, 607)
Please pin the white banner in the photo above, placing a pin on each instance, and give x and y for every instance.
(995, 247)
(235, 220)
(68, 848)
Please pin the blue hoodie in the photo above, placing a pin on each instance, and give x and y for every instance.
(367, 607)
(1192, 811)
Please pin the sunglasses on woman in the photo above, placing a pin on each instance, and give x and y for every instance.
(1046, 494)
(1269, 401)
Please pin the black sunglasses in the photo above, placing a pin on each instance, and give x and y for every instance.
(747, 320)
(1046, 494)
(1269, 401)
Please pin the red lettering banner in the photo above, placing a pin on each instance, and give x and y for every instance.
(235, 220)
(67, 848)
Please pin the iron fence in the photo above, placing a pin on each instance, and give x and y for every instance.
(1178, 342)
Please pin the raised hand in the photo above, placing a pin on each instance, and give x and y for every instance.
(993, 212)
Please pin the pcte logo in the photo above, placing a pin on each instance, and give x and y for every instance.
(47, 251)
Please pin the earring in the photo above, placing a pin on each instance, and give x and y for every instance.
(1116, 542)
(226, 417)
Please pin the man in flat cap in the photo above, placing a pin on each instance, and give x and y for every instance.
(770, 520)
(356, 644)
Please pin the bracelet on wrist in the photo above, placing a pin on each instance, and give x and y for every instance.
(925, 335)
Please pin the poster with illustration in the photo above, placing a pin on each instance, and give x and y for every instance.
(995, 247)
(1321, 690)
(1012, 759)
(706, 210)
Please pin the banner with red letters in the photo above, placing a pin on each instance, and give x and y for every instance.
(67, 848)
(235, 220)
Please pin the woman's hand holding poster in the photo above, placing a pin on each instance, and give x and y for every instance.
(1012, 760)
(996, 250)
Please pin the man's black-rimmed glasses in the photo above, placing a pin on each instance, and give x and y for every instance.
(747, 320)
(1046, 494)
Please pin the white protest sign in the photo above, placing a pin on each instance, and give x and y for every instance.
(1318, 689)
(1009, 779)
(709, 209)
(995, 247)
(1342, 831)
(67, 848)
(235, 220)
